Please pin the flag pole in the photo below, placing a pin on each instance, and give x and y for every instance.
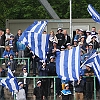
(71, 35)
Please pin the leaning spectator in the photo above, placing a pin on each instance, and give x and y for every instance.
(24, 80)
(8, 34)
(60, 37)
(89, 81)
(21, 93)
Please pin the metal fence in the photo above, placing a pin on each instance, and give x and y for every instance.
(54, 77)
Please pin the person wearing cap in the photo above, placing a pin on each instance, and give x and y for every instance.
(88, 36)
(89, 81)
(12, 63)
(79, 88)
(60, 37)
(43, 71)
(51, 70)
(75, 44)
(81, 33)
(68, 46)
(38, 93)
(21, 93)
(82, 42)
(94, 42)
(66, 93)
(62, 48)
(90, 50)
(76, 35)
(24, 80)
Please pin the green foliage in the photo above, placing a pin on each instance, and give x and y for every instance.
(32, 9)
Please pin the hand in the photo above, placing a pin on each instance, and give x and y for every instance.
(43, 97)
(8, 63)
(87, 74)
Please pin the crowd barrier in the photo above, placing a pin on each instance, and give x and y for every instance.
(54, 77)
(28, 59)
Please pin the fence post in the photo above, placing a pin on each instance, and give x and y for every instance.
(28, 66)
(54, 88)
(94, 88)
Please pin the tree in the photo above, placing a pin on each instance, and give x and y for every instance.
(32, 9)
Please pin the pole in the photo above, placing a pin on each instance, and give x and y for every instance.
(71, 35)
(94, 88)
(54, 88)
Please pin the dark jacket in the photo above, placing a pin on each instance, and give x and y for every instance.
(60, 38)
(2, 40)
(95, 44)
(39, 93)
(79, 87)
(67, 40)
(22, 79)
(52, 69)
(42, 71)
(3, 73)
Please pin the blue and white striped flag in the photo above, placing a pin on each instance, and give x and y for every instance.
(34, 38)
(68, 64)
(94, 62)
(95, 15)
(10, 82)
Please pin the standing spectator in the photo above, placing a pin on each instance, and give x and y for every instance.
(33, 58)
(20, 48)
(79, 88)
(8, 34)
(52, 70)
(52, 38)
(60, 37)
(75, 44)
(38, 92)
(66, 93)
(19, 33)
(90, 50)
(67, 37)
(89, 82)
(94, 42)
(12, 63)
(2, 74)
(98, 37)
(7, 53)
(24, 80)
(88, 38)
(43, 71)
(21, 93)
(2, 42)
(76, 35)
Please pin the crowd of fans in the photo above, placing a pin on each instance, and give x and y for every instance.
(89, 42)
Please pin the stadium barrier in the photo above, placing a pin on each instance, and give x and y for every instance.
(54, 77)
(28, 59)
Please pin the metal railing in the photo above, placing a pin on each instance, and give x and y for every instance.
(54, 77)
(28, 59)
